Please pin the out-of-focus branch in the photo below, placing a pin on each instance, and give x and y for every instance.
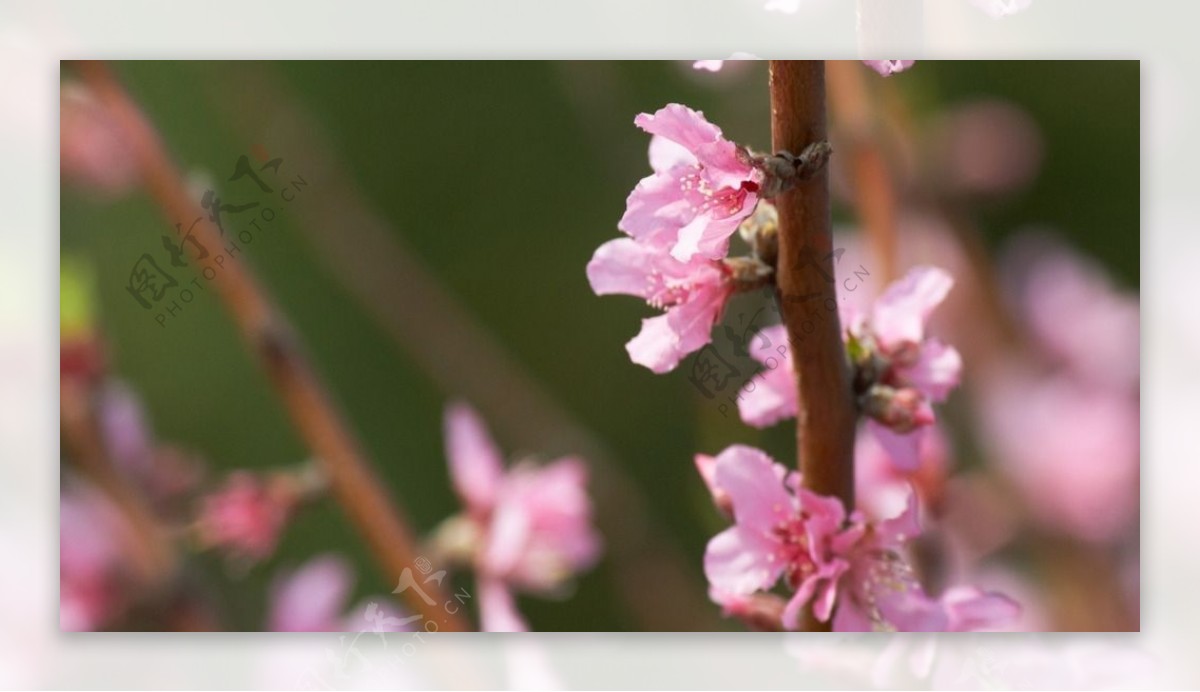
(860, 148)
(352, 480)
(825, 414)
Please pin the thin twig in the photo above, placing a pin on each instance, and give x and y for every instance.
(807, 295)
(352, 479)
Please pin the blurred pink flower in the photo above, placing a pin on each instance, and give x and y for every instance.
(164, 473)
(709, 65)
(1072, 449)
(889, 67)
(245, 517)
(1075, 312)
(313, 599)
(534, 524)
(702, 188)
(693, 294)
(989, 147)
(91, 150)
(90, 560)
(780, 530)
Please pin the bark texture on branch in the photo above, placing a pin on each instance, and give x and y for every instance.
(807, 293)
(807, 288)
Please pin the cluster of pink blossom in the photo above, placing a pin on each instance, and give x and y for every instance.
(679, 221)
(843, 565)
(899, 370)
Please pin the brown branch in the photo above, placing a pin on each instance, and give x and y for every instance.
(264, 328)
(807, 294)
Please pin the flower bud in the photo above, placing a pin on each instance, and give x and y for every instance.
(902, 410)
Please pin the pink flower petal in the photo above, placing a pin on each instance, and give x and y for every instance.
(972, 610)
(681, 125)
(497, 608)
(656, 208)
(774, 398)
(311, 598)
(902, 448)
(475, 463)
(738, 561)
(755, 486)
(665, 340)
(901, 313)
(937, 370)
(666, 154)
(621, 266)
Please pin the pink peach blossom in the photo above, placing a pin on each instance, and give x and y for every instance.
(894, 330)
(534, 523)
(1070, 447)
(916, 370)
(702, 187)
(880, 592)
(781, 531)
(693, 295)
(243, 517)
(1076, 313)
(845, 567)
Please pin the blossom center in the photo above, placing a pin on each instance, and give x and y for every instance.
(794, 549)
(715, 203)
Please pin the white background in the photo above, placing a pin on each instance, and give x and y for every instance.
(34, 36)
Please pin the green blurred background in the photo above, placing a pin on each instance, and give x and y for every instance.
(502, 179)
